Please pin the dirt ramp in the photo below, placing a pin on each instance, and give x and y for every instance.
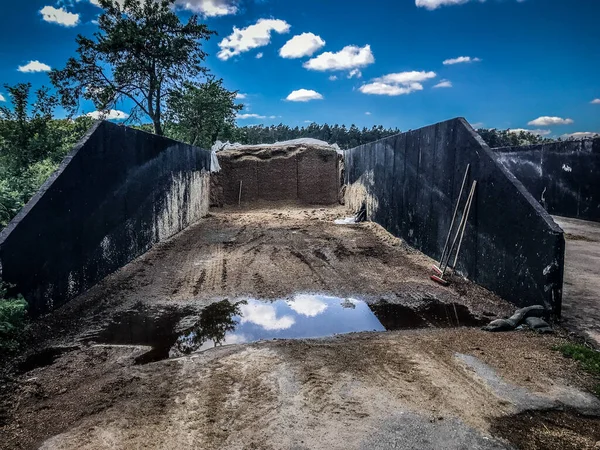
(307, 174)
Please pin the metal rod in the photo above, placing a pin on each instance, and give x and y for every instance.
(240, 198)
(472, 195)
(463, 218)
(462, 188)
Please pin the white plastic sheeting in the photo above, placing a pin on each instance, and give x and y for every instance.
(220, 146)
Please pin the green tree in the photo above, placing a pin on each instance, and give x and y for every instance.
(32, 144)
(199, 113)
(142, 52)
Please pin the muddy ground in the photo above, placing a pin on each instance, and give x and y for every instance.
(429, 387)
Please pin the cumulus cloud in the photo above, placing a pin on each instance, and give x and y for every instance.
(443, 84)
(241, 96)
(112, 114)
(2, 99)
(460, 60)
(596, 101)
(250, 116)
(580, 135)
(368, 113)
(305, 44)
(253, 36)
(400, 83)
(265, 316)
(355, 73)
(259, 55)
(59, 16)
(546, 121)
(307, 305)
(332, 77)
(536, 132)
(208, 8)
(349, 58)
(304, 95)
(434, 4)
(34, 66)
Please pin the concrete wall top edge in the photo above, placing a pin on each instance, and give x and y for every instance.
(520, 187)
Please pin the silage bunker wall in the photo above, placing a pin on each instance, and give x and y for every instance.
(562, 176)
(115, 195)
(410, 183)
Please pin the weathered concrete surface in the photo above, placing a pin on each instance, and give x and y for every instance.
(562, 176)
(302, 173)
(410, 184)
(581, 298)
(115, 195)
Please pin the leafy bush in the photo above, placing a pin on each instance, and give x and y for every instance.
(13, 321)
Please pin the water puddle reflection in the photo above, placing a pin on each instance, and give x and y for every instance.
(174, 333)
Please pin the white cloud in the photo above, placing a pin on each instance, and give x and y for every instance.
(350, 57)
(208, 8)
(333, 77)
(434, 4)
(304, 95)
(265, 316)
(59, 16)
(406, 77)
(112, 114)
(377, 88)
(34, 66)
(355, 73)
(536, 132)
(400, 83)
(2, 99)
(545, 121)
(368, 113)
(305, 44)
(250, 116)
(253, 36)
(259, 55)
(477, 125)
(460, 60)
(596, 101)
(241, 96)
(579, 135)
(443, 84)
(307, 305)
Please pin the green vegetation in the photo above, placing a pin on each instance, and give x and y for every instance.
(587, 357)
(142, 52)
(32, 144)
(13, 321)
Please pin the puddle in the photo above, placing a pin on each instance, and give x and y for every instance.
(174, 333)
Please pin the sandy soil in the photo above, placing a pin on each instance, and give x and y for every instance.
(428, 388)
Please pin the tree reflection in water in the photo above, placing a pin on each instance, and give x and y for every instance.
(215, 322)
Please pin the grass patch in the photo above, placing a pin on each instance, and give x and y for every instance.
(587, 357)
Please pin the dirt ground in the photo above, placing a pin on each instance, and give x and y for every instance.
(426, 388)
(581, 302)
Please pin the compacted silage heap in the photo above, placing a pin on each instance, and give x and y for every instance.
(304, 171)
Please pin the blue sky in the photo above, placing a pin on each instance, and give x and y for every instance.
(529, 64)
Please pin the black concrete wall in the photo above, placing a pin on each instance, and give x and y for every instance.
(410, 183)
(115, 195)
(562, 176)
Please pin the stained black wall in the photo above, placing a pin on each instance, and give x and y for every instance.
(563, 176)
(410, 183)
(116, 194)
